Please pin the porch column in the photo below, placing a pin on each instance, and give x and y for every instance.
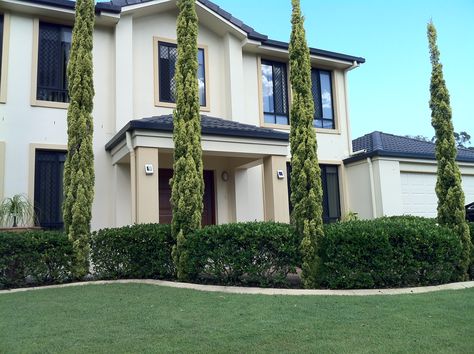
(275, 189)
(146, 186)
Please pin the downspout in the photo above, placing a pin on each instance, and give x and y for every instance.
(372, 186)
(346, 102)
(354, 65)
(133, 179)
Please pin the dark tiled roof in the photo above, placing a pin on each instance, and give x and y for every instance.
(389, 145)
(209, 126)
(115, 6)
(68, 4)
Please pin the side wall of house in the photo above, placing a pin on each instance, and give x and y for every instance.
(24, 127)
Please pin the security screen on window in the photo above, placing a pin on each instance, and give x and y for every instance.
(168, 55)
(54, 46)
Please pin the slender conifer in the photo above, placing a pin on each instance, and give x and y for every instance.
(451, 211)
(79, 165)
(187, 182)
(306, 189)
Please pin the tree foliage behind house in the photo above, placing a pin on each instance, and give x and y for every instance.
(451, 210)
(306, 189)
(79, 165)
(187, 182)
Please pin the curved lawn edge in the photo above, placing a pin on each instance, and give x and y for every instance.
(260, 291)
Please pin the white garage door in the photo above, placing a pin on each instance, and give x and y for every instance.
(419, 196)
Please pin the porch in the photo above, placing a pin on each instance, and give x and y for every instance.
(244, 172)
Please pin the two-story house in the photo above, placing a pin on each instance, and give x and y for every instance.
(245, 98)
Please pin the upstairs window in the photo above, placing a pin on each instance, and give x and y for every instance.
(167, 57)
(322, 96)
(275, 92)
(54, 46)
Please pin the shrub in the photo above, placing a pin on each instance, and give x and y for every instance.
(389, 252)
(139, 251)
(260, 253)
(34, 258)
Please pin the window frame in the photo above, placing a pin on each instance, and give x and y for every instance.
(34, 70)
(261, 61)
(333, 108)
(4, 56)
(156, 73)
(33, 147)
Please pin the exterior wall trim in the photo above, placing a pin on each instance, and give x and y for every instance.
(156, 79)
(34, 74)
(32, 164)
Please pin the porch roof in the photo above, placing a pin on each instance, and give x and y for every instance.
(209, 126)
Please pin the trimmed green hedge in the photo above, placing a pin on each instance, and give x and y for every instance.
(253, 253)
(388, 252)
(139, 251)
(34, 258)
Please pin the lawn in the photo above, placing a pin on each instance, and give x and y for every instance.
(145, 318)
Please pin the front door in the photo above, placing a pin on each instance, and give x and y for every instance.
(209, 213)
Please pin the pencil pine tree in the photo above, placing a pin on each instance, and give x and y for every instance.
(451, 211)
(187, 182)
(79, 165)
(306, 188)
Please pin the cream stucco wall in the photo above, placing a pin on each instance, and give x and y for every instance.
(124, 74)
(359, 189)
(163, 25)
(22, 124)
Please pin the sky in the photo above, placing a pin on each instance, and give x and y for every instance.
(390, 92)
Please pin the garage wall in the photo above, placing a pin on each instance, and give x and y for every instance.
(418, 183)
(400, 187)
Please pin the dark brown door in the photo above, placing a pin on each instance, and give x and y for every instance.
(209, 212)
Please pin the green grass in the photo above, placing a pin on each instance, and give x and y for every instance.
(144, 318)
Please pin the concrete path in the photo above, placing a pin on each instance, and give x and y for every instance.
(261, 291)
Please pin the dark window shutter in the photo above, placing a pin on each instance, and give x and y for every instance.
(316, 90)
(49, 57)
(49, 168)
(168, 55)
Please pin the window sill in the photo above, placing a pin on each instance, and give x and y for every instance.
(328, 131)
(287, 127)
(50, 104)
(173, 105)
(276, 126)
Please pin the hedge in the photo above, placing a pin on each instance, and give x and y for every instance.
(253, 253)
(34, 258)
(388, 252)
(139, 251)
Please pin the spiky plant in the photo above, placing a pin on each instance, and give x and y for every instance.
(306, 188)
(451, 211)
(79, 166)
(16, 211)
